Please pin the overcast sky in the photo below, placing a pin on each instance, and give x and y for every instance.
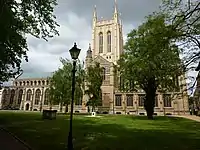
(75, 19)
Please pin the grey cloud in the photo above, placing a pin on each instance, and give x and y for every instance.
(131, 10)
(75, 19)
(72, 29)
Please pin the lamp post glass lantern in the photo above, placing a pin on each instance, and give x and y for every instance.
(74, 52)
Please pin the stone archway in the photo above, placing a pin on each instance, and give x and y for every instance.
(27, 106)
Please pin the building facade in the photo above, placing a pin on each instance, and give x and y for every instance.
(106, 48)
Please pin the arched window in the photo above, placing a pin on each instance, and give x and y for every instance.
(31, 83)
(118, 100)
(156, 101)
(20, 96)
(141, 100)
(12, 96)
(27, 82)
(104, 73)
(167, 100)
(46, 97)
(129, 100)
(4, 97)
(109, 41)
(24, 83)
(43, 82)
(28, 95)
(47, 82)
(37, 96)
(100, 42)
(35, 82)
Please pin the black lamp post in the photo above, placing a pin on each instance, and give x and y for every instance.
(74, 52)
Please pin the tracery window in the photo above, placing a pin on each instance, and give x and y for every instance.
(109, 41)
(156, 101)
(20, 96)
(129, 100)
(167, 100)
(28, 95)
(100, 42)
(46, 97)
(141, 100)
(12, 96)
(118, 100)
(37, 96)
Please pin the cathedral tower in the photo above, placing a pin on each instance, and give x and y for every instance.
(107, 38)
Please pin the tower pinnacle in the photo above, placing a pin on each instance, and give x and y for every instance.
(116, 17)
(95, 12)
(116, 11)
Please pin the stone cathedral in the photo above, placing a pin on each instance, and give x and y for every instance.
(106, 47)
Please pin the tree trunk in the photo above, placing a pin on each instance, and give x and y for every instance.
(93, 108)
(149, 101)
(66, 108)
(61, 107)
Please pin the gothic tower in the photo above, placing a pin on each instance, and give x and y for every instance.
(107, 38)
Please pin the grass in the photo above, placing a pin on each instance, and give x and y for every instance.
(104, 133)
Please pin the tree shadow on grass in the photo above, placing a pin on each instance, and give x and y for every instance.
(92, 136)
(135, 133)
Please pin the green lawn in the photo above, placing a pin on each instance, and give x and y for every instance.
(105, 133)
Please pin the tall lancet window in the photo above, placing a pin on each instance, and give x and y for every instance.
(100, 42)
(109, 41)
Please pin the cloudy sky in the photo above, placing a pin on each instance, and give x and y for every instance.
(75, 19)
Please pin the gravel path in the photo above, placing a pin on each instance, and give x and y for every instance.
(191, 117)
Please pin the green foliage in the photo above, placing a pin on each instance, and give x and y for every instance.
(18, 19)
(149, 53)
(94, 80)
(61, 84)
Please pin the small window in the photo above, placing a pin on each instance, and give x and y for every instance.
(142, 114)
(141, 100)
(118, 100)
(156, 101)
(129, 100)
(167, 100)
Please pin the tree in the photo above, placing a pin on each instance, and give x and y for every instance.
(61, 85)
(21, 18)
(183, 16)
(94, 80)
(150, 61)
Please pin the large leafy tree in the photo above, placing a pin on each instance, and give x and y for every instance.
(150, 61)
(183, 16)
(18, 19)
(94, 80)
(61, 84)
